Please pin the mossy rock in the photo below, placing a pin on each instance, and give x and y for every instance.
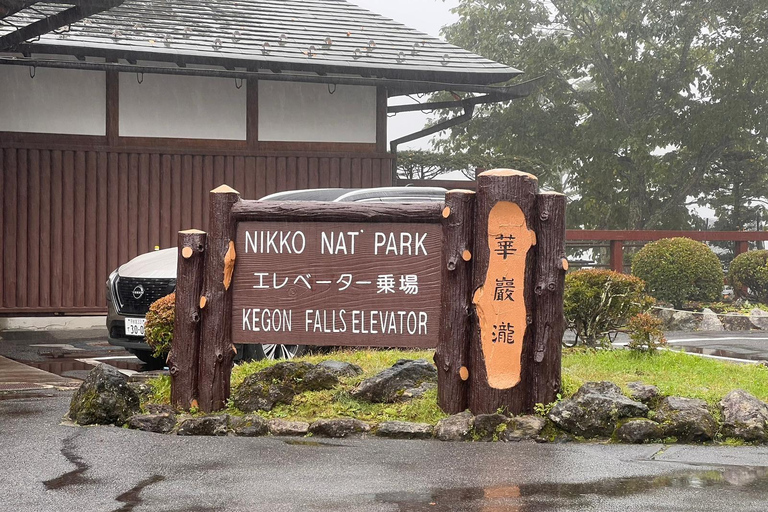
(104, 398)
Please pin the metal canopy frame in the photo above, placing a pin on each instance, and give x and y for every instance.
(79, 9)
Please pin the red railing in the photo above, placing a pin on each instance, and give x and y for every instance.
(616, 239)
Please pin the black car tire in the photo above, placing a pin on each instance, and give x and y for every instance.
(278, 351)
(146, 357)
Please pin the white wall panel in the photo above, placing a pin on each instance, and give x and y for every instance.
(303, 112)
(186, 107)
(54, 101)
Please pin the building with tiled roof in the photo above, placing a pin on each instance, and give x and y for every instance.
(117, 117)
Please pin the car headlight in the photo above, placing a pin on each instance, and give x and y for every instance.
(111, 284)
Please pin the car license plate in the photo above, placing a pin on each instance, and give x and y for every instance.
(134, 326)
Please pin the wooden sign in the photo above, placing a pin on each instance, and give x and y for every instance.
(500, 303)
(331, 283)
(480, 278)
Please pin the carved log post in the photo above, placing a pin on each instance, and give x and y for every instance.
(549, 318)
(502, 343)
(183, 358)
(452, 354)
(216, 349)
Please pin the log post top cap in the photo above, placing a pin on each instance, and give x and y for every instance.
(508, 172)
(192, 232)
(224, 189)
(460, 191)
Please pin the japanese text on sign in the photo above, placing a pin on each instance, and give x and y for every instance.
(359, 284)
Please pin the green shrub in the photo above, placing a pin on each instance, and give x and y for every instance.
(749, 271)
(677, 270)
(645, 333)
(598, 301)
(159, 327)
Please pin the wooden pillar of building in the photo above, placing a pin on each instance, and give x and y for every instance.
(185, 348)
(452, 354)
(216, 349)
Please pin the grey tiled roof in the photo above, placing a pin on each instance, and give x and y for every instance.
(309, 35)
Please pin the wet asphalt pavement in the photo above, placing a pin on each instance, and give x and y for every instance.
(49, 466)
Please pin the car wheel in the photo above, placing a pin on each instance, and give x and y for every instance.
(278, 351)
(152, 362)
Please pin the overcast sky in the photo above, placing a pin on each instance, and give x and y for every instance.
(427, 16)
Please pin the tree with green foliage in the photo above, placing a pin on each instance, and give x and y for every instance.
(643, 99)
(736, 189)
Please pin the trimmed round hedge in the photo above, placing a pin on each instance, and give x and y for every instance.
(749, 271)
(159, 327)
(677, 270)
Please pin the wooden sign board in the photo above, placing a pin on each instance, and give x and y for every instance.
(463, 277)
(337, 283)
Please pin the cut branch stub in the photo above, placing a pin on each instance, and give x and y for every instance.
(229, 264)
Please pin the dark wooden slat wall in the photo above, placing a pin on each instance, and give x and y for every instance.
(68, 217)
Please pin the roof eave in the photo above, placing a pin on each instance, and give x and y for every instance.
(252, 62)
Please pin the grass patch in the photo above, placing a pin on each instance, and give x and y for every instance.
(161, 390)
(338, 402)
(674, 373)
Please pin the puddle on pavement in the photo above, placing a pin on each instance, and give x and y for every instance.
(294, 442)
(552, 496)
(74, 477)
(132, 497)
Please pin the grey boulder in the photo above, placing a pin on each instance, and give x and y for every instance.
(486, 426)
(158, 423)
(250, 425)
(675, 320)
(744, 416)
(455, 428)
(736, 322)
(642, 392)
(397, 383)
(637, 431)
(404, 430)
(278, 384)
(340, 427)
(278, 427)
(523, 428)
(104, 398)
(204, 426)
(595, 410)
(759, 318)
(710, 321)
(687, 419)
(341, 369)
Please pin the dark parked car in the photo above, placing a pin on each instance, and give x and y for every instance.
(134, 286)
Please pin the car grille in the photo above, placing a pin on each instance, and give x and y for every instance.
(154, 289)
